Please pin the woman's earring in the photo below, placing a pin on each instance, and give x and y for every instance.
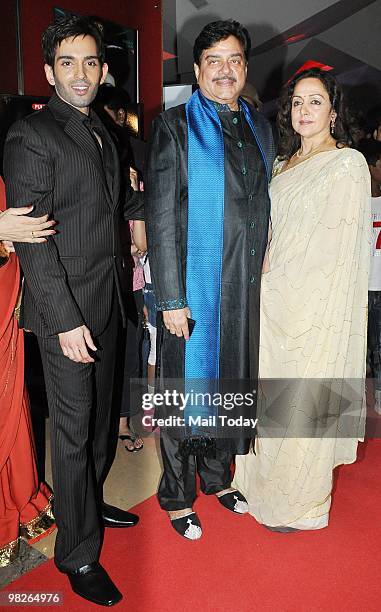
(333, 121)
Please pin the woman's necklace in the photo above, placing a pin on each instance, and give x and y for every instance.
(298, 157)
(322, 147)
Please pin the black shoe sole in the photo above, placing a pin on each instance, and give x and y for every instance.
(99, 603)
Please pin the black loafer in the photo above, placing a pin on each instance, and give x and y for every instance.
(115, 517)
(234, 501)
(93, 583)
(188, 526)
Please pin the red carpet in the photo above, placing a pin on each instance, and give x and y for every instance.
(240, 566)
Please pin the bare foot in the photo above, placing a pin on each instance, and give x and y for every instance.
(129, 444)
(229, 490)
(176, 514)
(138, 442)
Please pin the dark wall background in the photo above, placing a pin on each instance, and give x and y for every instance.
(8, 62)
(144, 15)
(344, 34)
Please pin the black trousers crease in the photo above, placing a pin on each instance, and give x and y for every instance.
(80, 407)
(177, 489)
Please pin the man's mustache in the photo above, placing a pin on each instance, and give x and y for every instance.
(225, 78)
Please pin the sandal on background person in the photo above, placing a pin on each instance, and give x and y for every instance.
(131, 441)
(134, 439)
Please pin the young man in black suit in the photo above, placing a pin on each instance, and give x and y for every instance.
(64, 162)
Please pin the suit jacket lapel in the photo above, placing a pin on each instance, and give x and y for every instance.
(79, 133)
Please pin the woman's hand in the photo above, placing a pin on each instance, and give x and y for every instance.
(8, 246)
(134, 179)
(15, 226)
(139, 237)
(135, 252)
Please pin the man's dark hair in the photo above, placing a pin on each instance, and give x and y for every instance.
(71, 27)
(215, 31)
(289, 140)
(371, 150)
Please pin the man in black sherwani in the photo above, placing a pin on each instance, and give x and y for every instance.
(207, 212)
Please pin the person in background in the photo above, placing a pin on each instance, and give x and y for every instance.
(133, 366)
(250, 94)
(371, 149)
(373, 123)
(151, 313)
(25, 504)
(111, 104)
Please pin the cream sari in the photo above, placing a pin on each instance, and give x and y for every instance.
(312, 339)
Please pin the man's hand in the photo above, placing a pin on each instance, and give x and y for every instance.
(74, 344)
(176, 321)
(15, 226)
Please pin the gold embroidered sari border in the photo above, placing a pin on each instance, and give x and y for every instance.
(36, 528)
(9, 553)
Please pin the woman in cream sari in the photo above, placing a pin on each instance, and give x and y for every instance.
(313, 313)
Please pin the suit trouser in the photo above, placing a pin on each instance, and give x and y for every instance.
(177, 489)
(80, 404)
(132, 357)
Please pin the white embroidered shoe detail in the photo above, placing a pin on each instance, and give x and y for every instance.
(193, 532)
(240, 506)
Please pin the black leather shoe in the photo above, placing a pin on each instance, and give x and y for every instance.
(115, 517)
(93, 583)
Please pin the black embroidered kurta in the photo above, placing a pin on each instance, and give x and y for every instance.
(246, 217)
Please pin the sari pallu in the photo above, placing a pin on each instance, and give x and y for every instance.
(25, 506)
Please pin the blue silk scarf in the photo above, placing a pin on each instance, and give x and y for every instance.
(206, 188)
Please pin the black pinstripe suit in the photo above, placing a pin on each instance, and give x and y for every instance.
(53, 161)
